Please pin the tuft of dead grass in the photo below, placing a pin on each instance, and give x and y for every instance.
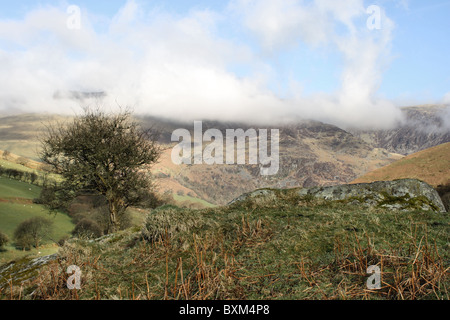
(413, 271)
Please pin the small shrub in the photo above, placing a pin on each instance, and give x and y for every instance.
(87, 228)
(22, 161)
(32, 231)
(171, 221)
(63, 240)
(3, 239)
(446, 201)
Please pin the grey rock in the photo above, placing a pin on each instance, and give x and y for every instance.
(23, 269)
(43, 260)
(403, 194)
(266, 193)
(396, 195)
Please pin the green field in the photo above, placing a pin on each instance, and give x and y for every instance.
(186, 198)
(5, 164)
(16, 206)
(10, 188)
(11, 165)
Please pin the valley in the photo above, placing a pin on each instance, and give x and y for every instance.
(312, 153)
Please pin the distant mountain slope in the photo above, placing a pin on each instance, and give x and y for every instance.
(424, 127)
(312, 153)
(14, 161)
(19, 134)
(431, 165)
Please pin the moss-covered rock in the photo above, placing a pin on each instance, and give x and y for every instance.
(17, 272)
(403, 194)
(266, 194)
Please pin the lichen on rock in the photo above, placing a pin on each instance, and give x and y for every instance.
(403, 194)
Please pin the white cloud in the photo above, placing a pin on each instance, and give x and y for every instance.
(322, 23)
(446, 98)
(282, 23)
(178, 66)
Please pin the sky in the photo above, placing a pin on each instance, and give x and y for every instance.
(346, 62)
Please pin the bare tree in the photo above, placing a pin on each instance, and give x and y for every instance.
(108, 154)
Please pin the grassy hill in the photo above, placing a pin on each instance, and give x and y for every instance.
(290, 248)
(16, 205)
(20, 133)
(26, 165)
(431, 165)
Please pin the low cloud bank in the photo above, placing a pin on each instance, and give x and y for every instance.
(182, 66)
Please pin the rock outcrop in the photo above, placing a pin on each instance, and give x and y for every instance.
(404, 194)
(423, 127)
(25, 269)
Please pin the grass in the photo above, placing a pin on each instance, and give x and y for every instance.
(25, 147)
(137, 216)
(430, 165)
(10, 188)
(11, 165)
(283, 249)
(41, 174)
(16, 206)
(185, 199)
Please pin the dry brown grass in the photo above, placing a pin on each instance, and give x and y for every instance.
(431, 166)
(268, 254)
(414, 271)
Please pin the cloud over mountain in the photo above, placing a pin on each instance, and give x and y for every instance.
(188, 65)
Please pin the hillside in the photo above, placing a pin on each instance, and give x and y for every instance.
(431, 165)
(290, 248)
(14, 161)
(19, 134)
(16, 206)
(312, 153)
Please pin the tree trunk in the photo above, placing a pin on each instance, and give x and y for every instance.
(114, 213)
